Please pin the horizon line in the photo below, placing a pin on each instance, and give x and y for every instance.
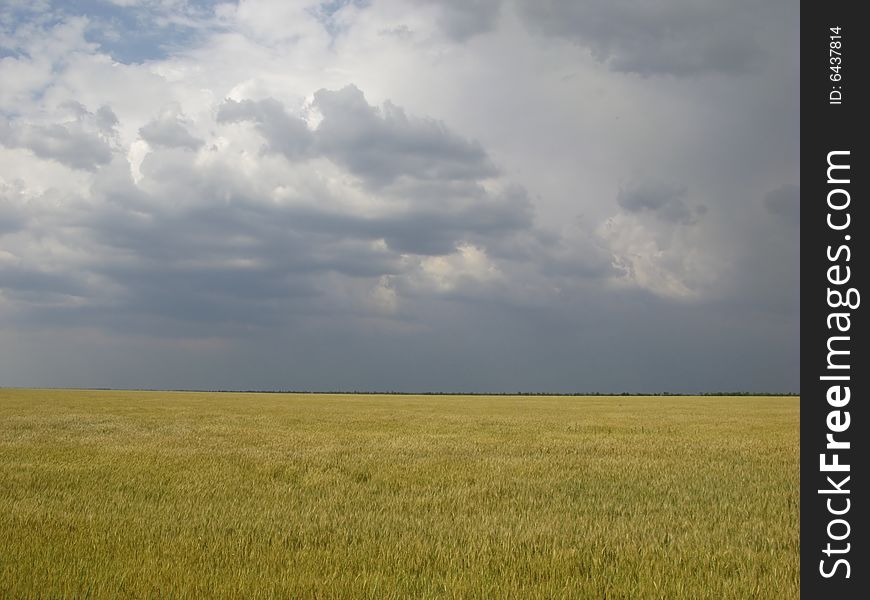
(398, 393)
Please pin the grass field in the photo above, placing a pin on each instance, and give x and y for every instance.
(108, 494)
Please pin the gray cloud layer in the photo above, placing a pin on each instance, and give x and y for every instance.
(666, 200)
(463, 19)
(168, 132)
(785, 201)
(285, 134)
(491, 199)
(676, 37)
(67, 143)
(383, 145)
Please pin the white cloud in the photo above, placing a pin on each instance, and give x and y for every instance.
(469, 266)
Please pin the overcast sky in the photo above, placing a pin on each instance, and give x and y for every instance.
(414, 195)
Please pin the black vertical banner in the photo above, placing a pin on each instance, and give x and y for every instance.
(834, 224)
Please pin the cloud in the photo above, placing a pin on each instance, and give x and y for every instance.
(674, 37)
(428, 219)
(207, 242)
(665, 200)
(12, 216)
(381, 145)
(33, 285)
(285, 133)
(658, 257)
(170, 132)
(491, 197)
(71, 144)
(785, 202)
(105, 118)
(463, 19)
(654, 240)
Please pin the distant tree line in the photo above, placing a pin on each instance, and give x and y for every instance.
(396, 393)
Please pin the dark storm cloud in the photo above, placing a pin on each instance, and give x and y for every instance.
(70, 144)
(169, 132)
(673, 37)
(206, 268)
(194, 218)
(666, 200)
(19, 280)
(202, 297)
(608, 343)
(785, 202)
(429, 224)
(381, 145)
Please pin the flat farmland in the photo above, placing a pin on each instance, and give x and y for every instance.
(122, 494)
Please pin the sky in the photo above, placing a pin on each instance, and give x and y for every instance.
(385, 195)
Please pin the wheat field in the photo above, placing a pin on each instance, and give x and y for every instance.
(122, 494)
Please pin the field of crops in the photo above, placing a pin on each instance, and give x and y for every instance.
(108, 494)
